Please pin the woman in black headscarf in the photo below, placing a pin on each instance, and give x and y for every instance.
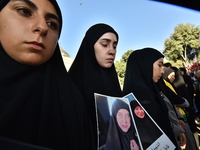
(89, 74)
(39, 104)
(140, 79)
(170, 90)
(121, 134)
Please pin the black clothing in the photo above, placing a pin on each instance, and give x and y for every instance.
(89, 76)
(138, 79)
(40, 105)
(174, 98)
(189, 88)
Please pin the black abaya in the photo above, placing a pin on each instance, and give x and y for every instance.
(40, 105)
(89, 76)
(138, 80)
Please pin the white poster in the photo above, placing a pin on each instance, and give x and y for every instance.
(122, 126)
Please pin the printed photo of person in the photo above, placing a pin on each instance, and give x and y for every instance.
(148, 131)
(121, 133)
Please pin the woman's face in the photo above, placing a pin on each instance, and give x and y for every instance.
(171, 77)
(123, 119)
(29, 30)
(105, 49)
(139, 112)
(157, 69)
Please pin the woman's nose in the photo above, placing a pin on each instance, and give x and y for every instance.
(112, 50)
(40, 26)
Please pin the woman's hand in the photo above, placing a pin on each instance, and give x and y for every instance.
(182, 123)
(134, 145)
(182, 140)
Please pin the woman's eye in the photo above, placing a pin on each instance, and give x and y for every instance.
(24, 11)
(127, 115)
(52, 24)
(104, 45)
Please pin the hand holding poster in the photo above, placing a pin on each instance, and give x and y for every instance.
(120, 129)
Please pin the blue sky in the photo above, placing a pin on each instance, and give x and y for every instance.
(139, 23)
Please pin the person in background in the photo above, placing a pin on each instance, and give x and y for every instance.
(197, 90)
(181, 104)
(39, 104)
(167, 65)
(93, 69)
(174, 116)
(189, 86)
(143, 70)
(192, 76)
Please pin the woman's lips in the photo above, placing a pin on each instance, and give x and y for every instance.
(36, 45)
(110, 60)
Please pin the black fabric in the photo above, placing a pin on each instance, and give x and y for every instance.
(117, 139)
(7, 144)
(87, 74)
(189, 88)
(40, 105)
(3, 3)
(138, 79)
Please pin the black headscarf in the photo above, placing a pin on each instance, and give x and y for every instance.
(40, 105)
(167, 72)
(117, 139)
(174, 97)
(138, 79)
(179, 83)
(89, 76)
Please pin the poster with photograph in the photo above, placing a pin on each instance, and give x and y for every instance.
(122, 126)
(148, 130)
(116, 128)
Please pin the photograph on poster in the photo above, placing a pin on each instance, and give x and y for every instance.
(124, 124)
(116, 128)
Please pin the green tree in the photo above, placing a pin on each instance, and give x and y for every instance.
(121, 66)
(183, 44)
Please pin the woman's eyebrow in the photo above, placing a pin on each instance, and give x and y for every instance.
(28, 2)
(108, 40)
(53, 16)
(31, 4)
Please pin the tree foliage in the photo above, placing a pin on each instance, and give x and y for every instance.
(183, 44)
(121, 66)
